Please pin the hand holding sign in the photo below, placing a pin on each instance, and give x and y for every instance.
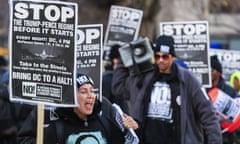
(129, 122)
(125, 121)
(227, 108)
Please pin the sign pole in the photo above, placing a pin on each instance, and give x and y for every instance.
(40, 122)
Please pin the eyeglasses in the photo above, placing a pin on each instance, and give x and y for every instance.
(164, 56)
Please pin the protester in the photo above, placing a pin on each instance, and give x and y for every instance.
(83, 124)
(235, 81)
(169, 105)
(5, 78)
(107, 78)
(8, 127)
(12, 114)
(217, 79)
(3, 66)
(219, 82)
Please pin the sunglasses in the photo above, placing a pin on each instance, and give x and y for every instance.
(164, 56)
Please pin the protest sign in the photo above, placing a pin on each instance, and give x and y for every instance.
(191, 45)
(130, 136)
(227, 108)
(89, 53)
(42, 52)
(123, 27)
(229, 59)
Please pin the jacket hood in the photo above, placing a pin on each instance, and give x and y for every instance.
(237, 75)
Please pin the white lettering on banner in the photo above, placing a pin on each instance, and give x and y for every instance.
(88, 36)
(226, 106)
(125, 14)
(61, 32)
(59, 80)
(23, 37)
(184, 29)
(199, 70)
(51, 12)
(64, 80)
(26, 29)
(21, 76)
(122, 29)
(228, 57)
(90, 47)
(31, 23)
(37, 77)
(47, 24)
(129, 24)
(66, 26)
(25, 64)
(57, 67)
(49, 90)
(89, 53)
(31, 89)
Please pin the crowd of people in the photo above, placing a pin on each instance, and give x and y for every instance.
(165, 104)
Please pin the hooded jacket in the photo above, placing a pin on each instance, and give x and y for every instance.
(232, 77)
(197, 114)
(8, 126)
(69, 128)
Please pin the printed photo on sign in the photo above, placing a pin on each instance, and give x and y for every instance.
(42, 52)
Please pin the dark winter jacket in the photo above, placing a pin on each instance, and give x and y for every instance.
(8, 127)
(227, 88)
(69, 128)
(197, 114)
(107, 91)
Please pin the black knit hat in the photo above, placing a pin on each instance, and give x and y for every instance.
(83, 79)
(215, 64)
(114, 53)
(165, 44)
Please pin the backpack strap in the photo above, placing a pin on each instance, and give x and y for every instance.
(59, 131)
(105, 117)
(106, 124)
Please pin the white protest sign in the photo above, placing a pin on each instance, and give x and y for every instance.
(191, 45)
(123, 27)
(130, 136)
(42, 52)
(89, 53)
(229, 59)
